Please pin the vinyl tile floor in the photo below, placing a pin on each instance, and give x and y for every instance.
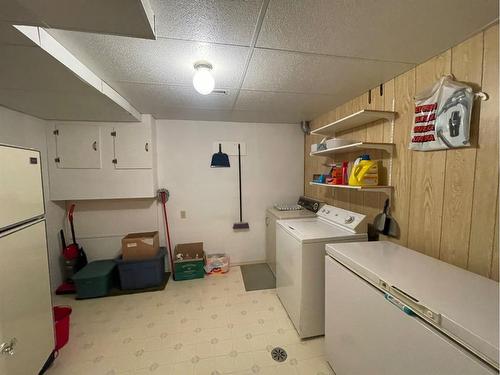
(209, 326)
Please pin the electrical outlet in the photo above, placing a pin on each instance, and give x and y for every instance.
(183, 214)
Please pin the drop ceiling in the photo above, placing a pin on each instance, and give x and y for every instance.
(277, 60)
(122, 17)
(37, 78)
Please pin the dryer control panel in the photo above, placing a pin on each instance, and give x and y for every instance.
(349, 220)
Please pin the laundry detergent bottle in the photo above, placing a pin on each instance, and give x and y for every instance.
(364, 172)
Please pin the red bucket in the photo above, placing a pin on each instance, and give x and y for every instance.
(61, 325)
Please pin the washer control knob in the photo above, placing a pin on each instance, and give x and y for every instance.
(349, 219)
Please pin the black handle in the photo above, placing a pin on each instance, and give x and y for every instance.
(387, 223)
(386, 206)
(239, 182)
(63, 240)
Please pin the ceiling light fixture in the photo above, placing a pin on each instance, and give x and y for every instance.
(203, 81)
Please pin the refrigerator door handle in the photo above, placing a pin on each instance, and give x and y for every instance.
(8, 347)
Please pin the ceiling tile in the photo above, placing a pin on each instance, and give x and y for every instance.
(153, 98)
(299, 106)
(52, 105)
(13, 11)
(30, 68)
(271, 70)
(153, 61)
(120, 17)
(222, 115)
(394, 30)
(33, 82)
(217, 21)
(10, 35)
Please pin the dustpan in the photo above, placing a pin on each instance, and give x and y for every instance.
(220, 159)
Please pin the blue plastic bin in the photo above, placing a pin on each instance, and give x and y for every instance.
(141, 274)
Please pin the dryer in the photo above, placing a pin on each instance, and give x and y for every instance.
(305, 208)
(300, 263)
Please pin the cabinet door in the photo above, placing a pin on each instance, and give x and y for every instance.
(25, 300)
(21, 193)
(133, 149)
(78, 146)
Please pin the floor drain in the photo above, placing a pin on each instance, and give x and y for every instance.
(279, 354)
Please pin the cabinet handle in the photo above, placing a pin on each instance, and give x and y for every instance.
(267, 220)
(146, 147)
(94, 145)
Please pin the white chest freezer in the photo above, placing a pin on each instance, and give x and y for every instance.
(391, 310)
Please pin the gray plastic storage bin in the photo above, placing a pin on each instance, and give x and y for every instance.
(141, 274)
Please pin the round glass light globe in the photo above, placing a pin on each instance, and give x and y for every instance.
(203, 81)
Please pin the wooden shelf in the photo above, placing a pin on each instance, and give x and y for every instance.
(389, 147)
(362, 117)
(378, 189)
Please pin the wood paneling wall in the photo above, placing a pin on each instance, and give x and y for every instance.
(445, 202)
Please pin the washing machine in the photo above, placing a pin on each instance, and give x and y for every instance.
(300, 262)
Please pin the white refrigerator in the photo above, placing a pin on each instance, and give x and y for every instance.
(391, 310)
(26, 322)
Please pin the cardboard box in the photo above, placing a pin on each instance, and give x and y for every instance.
(191, 263)
(137, 246)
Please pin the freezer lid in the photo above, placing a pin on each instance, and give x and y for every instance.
(318, 230)
(458, 302)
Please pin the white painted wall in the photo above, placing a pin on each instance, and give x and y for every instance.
(101, 224)
(272, 172)
(26, 131)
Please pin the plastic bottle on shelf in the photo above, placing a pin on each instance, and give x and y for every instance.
(364, 172)
(337, 175)
(345, 172)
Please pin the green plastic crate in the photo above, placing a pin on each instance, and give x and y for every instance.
(95, 279)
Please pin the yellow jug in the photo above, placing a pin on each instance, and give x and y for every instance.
(364, 172)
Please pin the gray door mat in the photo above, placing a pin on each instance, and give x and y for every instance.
(257, 277)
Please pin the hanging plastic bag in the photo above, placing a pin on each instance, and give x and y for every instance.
(442, 116)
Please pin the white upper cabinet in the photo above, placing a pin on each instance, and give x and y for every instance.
(132, 147)
(102, 160)
(77, 146)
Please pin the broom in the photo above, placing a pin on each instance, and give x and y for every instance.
(241, 224)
